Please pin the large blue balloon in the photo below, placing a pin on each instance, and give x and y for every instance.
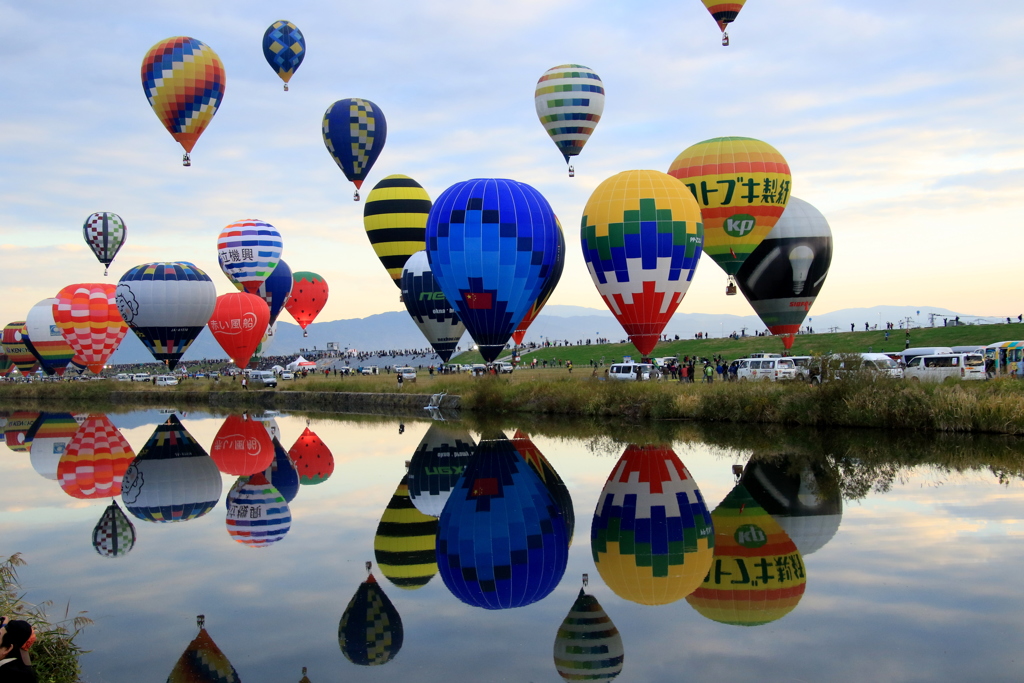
(354, 131)
(501, 539)
(493, 246)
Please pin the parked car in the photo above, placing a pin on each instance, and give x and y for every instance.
(262, 377)
(370, 370)
(166, 381)
(407, 374)
(141, 377)
(287, 374)
(766, 369)
(629, 371)
(946, 366)
(123, 377)
(504, 368)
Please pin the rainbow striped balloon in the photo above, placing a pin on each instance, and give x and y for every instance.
(569, 100)
(588, 647)
(248, 251)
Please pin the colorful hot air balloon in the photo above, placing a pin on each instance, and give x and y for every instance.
(284, 48)
(242, 446)
(354, 132)
(167, 305)
(742, 186)
(172, 479)
(546, 292)
(784, 274)
(308, 298)
(114, 534)
(16, 349)
(758, 575)
(501, 539)
(724, 13)
(258, 514)
(48, 440)
(395, 216)
(404, 544)
(569, 100)
(440, 459)
(652, 535)
(105, 233)
(88, 317)
(17, 428)
(248, 251)
(370, 632)
(588, 647)
(493, 246)
(238, 323)
(45, 340)
(275, 290)
(184, 82)
(202, 661)
(431, 312)
(282, 473)
(555, 486)
(642, 238)
(312, 458)
(95, 460)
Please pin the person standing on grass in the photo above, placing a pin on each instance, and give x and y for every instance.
(709, 373)
(400, 380)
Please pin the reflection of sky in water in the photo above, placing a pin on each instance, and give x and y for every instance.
(921, 583)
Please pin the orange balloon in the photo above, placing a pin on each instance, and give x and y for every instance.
(238, 323)
(90, 322)
(242, 447)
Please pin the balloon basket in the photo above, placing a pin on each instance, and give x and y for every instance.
(186, 160)
(725, 39)
(305, 333)
(355, 196)
(572, 172)
(104, 272)
(730, 289)
(286, 87)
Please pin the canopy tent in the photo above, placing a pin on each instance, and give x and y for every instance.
(300, 363)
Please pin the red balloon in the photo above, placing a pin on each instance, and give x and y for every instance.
(95, 460)
(88, 317)
(312, 458)
(242, 447)
(309, 295)
(238, 323)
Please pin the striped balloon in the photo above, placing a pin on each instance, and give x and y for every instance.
(404, 544)
(395, 217)
(249, 251)
(588, 647)
(88, 317)
(95, 460)
(259, 515)
(569, 100)
(16, 348)
(45, 340)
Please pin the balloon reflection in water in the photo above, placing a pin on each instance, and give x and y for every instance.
(203, 662)
(588, 647)
(258, 514)
(370, 632)
(312, 458)
(556, 487)
(502, 540)
(48, 438)
(242, 446)
(404, 544)
(16, 430)
(172, 479)
(652, 536)
(95, 460)
(435, 468)
(114, 534)
(758, 574)
(282, 473)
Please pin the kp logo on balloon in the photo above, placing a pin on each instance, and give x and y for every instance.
(739, 225)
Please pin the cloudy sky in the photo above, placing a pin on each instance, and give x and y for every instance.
(900, 122)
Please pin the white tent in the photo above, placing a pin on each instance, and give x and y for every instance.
(300, 363)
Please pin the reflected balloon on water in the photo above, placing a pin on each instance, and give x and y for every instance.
(48, 439)
(242, 447)
(258, 514)
(114, 534)
(282, 473)
(405, 542)
(312, 458)
(95, 460)
(440, 459)
(588, 647)
(16, 430)
(203, 662)
(555, 486)
(370, 632)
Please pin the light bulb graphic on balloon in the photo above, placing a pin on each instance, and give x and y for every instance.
(800, 258)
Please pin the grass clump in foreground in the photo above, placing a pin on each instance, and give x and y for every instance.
(55, 653)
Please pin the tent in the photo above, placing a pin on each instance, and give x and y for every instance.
(300, 363)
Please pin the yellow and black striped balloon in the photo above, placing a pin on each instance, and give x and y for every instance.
(404, 545)
(395, 217)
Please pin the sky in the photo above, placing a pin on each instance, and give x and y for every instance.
(901, 122)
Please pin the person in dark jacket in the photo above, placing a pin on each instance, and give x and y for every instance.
(15, 637)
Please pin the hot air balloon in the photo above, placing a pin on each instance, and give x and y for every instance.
(202, 661)
(784, 274)
(242, 446)
(45, 340)
(652, 536)
(172, 479)
(308, 298)
(17, 428)
(370, 632)
(88, 317)
(440, 459)
(395, 216)
(6, 366)
(642, 238)
(282, 473)
(258, 514)
(588, 647)
(16, 349)
(238, 323)
(802, 498)
(404, 544)
(275, 290)
(105, 233)
(742, 186)
(501, 539)
(555, 486)
(95, 460)
(48, 439)
(758, 575)
(431, 312)
(248, 251)
(724, 13)
(493, 246)
(354, 132)
(546, 292)
(167, 305)
(569, 119)
(184, 81)
(312, 458)
(114, 534)
(284, 48)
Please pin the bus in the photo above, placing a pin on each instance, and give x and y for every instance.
(1006, 355)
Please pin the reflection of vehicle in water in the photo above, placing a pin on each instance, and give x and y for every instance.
(947, 366)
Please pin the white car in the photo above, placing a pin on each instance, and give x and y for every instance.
(629, 371)
(287, 374)
(166, 381)
(407, 374)
(940, 367)
(766, 369)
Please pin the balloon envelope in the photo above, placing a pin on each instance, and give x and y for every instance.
(203, 662)
(312, 458)
(569, 101)
(440, 459)
(48, 440)
(45, 340)
(546, 292)
(724, 12)
(429, 308)
(370, 632)
(17, 428)
(282, 473)
(248, 251)
(238, 323)
(554, 484)
(258, 514)
(354, 131)
(88, 317)
(242, 446)
(395, 217)
(493, 246)
(642, 238)
(404, 544)
(284, 48)
(588, 647)
(308, 297)
(95, 460)
(16, 348)
(105, 233)
(275, 290)
(114, 534)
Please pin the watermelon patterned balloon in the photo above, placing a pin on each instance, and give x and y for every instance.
(95, 460)
(203, 662)
(308, 298)
(258, 515)
(652, 536)
(312, 458)
(248, 251)
(114, 534)
(88, 317)
(370, 632)
(105, 233)
(404, 544)
(588, 647)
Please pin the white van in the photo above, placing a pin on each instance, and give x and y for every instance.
(141, 377)
(123, 377)
(629, 371)
(166, 381)
(952, 366)
(262, 377)
(879, 363)
(911, 354)
(407, 374)
(766, 369)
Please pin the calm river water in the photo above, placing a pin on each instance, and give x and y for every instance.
(882, 559)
